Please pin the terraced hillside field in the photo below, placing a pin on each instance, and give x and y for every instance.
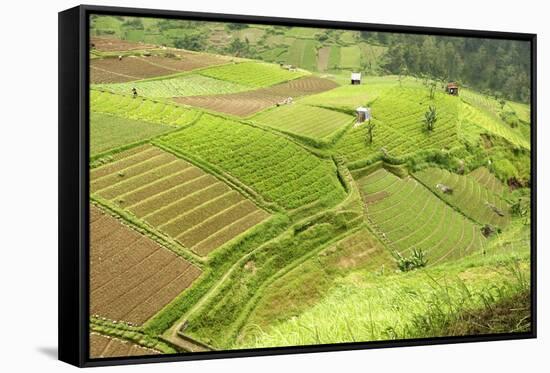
(113, 70)
(305, 120)
(141, 109)
(278, 169)
(112, 44)
(252, 74)
(176, 198)
(488, 180)
(108, 132)
(350, 57)
(398, 114)
(246, 103)
(469, 196)
(187, 85)
(303, 53)
(103, 346)
(493, 125)
(406, 215)
(132, 277)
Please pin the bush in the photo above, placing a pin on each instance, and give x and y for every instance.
(416, 260)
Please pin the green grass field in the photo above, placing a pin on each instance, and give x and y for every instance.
(141, 109)
(493, 125)
(261, 160)
(108, 132)
(350, 58)
(187, 85)
(427, 303)
(305, 120)
(423, 222)
(468, 195)
(252, 74)
(302, 229)
(399, 129)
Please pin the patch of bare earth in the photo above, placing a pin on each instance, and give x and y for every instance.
(322, 59)
(103, 346)
(114, 70)
(244, 104)
(131, 276)
(118, 45)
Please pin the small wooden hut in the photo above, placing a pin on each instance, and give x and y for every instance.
(362, 114)
(355, 78)
(452, 88)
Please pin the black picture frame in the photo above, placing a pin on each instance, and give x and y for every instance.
(74, 156)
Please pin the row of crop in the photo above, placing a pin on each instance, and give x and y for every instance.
(469, 196)
(493, 125)
(487, 179)
(304, 120)
(187, 85)
(252, 74)
(183, 211)
(260, 159)
(410, 216)
(141, 108)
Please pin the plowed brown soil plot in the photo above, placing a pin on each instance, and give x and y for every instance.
(186, 61)
(132, 277)
(113, 70)
(111, 45)
(247, 103)
(322, 60)
(103, 346)
(175, 197)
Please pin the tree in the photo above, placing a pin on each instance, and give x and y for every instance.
(430, 118)
(370, 131)
(194, 42)
(432, 87)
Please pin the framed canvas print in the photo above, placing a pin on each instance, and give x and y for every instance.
(234, 186)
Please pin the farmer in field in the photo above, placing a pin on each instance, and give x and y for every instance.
(134, 92)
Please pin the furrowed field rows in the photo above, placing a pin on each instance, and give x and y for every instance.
(403, 109)
(112, 44)
(252, 74)
(493, 106)
(304, 120)
(488, 180)
(345, 96)
(103, 346)
(141, 109)
(188, 85)
(128, 68)
(250, 102)
(303, 53)
(113, 70)
(407, 215)
(492, 124)
(109, 132)
(275, 167)
(350, 57)
(399, 128)
(177, 198)
(132, 277)
(322, 58)
(469, 196)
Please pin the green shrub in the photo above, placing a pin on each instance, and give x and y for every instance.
(416, 260)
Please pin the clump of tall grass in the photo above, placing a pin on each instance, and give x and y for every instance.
(416, 260)
(418, 304)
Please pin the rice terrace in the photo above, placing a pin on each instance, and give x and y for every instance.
(259, 186)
